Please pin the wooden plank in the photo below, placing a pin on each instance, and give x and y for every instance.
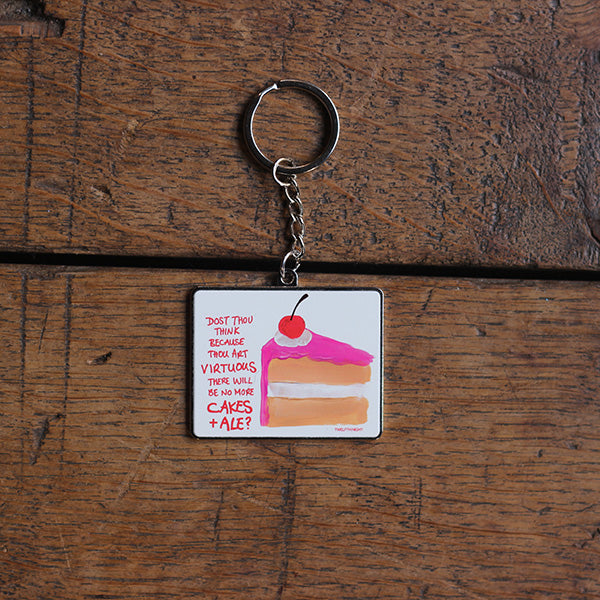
(469, 132)
(484, 483)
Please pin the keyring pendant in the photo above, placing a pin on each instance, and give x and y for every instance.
(287, 362)
(284, 170)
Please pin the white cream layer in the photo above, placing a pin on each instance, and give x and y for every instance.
(284, 340)
(315, 390)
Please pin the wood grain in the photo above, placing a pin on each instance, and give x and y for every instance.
(484, 484)
(38, 28)
(26, 18)
(469, 131)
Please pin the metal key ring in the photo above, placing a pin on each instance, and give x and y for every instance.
(332, 115)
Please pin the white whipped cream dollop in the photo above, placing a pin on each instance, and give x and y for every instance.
(284, 340)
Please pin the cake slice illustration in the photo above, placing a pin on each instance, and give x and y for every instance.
(311, 379)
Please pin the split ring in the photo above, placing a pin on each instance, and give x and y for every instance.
(333, 129)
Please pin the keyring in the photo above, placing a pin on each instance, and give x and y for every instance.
(332, 115)
(245, 341)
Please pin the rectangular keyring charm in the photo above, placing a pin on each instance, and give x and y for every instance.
(286, 363)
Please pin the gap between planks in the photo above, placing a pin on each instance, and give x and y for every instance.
(182, 263)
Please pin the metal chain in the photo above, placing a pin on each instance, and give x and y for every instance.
(288, 272)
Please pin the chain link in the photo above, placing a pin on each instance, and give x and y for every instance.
(288, 272)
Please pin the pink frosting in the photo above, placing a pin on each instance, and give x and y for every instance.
(319, 348)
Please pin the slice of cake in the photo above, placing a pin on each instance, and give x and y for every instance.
(310, 379)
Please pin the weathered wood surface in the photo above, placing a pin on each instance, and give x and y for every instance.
(26, 18)
(37, 28)
(484, 484)
(469, 130)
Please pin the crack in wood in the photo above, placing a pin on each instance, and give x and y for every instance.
(100, 360)
(217, 520)
(288, 494)
(28, 140)
(23, 348)
(39, 435)
(76, 115)
(67, 360)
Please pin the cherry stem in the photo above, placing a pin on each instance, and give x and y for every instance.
(298, 304)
